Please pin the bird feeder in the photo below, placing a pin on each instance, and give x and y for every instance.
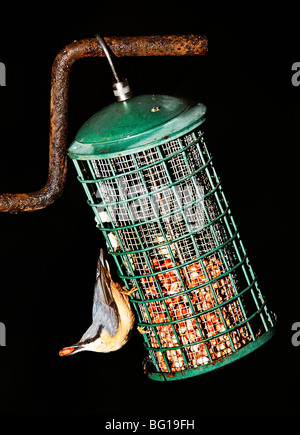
(158, 201)
(151, 183)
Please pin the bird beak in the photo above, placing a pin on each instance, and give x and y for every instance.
(70, 350)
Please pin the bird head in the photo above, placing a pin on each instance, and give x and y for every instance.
(93, 340)
(76, 348)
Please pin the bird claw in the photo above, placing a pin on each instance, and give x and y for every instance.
(141, 330)
(126, 292)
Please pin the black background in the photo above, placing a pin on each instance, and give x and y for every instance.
(48, 258)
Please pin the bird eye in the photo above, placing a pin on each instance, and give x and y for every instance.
(88, 341)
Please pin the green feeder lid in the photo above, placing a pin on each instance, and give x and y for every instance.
(135, 125)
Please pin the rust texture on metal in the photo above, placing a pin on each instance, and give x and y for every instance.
(121, 46)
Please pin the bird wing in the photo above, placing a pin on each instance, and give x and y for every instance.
(105, 309)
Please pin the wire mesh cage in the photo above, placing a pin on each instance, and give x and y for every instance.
(158, 201)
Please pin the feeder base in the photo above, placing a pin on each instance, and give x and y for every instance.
(174, 376)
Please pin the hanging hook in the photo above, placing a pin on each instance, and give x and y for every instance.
(106, 52)
(121, 88)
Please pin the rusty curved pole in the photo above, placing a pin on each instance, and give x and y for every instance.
(121, 46)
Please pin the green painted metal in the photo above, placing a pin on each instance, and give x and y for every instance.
(158, 376)
(123, 128)
(145, 167)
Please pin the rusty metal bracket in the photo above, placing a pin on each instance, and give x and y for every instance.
(168, 45)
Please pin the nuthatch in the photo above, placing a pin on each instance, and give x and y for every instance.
(113, 318)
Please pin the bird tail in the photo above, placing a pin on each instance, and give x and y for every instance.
(104, 263)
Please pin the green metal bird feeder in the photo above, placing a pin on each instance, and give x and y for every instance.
(158, 201)
(150, 181)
